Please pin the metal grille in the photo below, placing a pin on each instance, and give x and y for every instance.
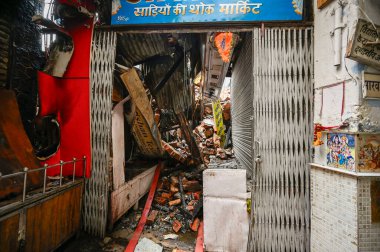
(241, 109)
(282, 110)
(96, 190)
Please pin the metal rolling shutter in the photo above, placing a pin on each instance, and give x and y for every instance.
(241, 109)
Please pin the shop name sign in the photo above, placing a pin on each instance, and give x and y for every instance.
(363, 46)
(371, 86)
(139, 12)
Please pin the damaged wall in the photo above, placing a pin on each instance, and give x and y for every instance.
(25, 55)
(355, 109)
(338, 224)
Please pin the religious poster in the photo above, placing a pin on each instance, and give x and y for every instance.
(341, 151)
(369, 153)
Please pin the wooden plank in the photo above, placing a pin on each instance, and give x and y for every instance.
(9, 234)
(127, 195)
(53, 221)
(323, 3)
(118, 146)
(189, 138)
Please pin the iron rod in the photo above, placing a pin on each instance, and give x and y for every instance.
(74, 164)
(84, 166)
(45, 171)
(60, 173)
(25, 179)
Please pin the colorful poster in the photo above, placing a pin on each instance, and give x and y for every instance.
(134, 12)
(341, 151)
(369, 153)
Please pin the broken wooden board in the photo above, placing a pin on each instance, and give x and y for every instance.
(16, 151)
(118, 146)
(128, 194)
(144, 128)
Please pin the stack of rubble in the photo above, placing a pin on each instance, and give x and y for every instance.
(178, 148)
(179, 198)
(207, 139)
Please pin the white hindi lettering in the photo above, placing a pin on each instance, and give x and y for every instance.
(240, 7)
(180, 9)
(202, 8)
(152, 10)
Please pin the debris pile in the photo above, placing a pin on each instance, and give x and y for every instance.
(178, 203)
(209, 142)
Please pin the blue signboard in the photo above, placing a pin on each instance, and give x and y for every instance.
(134, 12)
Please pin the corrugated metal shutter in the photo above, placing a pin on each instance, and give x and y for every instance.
(241, 109)
(283, 136)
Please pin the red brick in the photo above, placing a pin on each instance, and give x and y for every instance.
(151, 217)
(197, 195)
(175, 202)
(173, 188)
(190, 208)
(176, 226)
(192, 186)
(194, 226)
(166, 195)
(160, 200)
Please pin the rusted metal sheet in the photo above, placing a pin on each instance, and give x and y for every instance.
(9, 233)
(144, 128)
(16, 151)
(53, 221)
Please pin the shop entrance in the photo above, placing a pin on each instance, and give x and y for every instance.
(271, 134)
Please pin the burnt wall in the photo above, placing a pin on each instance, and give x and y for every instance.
(21, 46)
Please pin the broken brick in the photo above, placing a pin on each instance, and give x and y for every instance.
(166, 195)
(151, 217)
(197, 195)
(176, 226)
(175, 202)
(192, 186)
(179, 250)
(160, 200)
(190, 208)
(194, 226)
(174, 180)
(173, 188)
